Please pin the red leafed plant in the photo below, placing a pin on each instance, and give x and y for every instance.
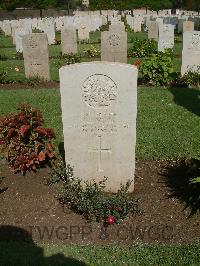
(25, 141)
(137, 63)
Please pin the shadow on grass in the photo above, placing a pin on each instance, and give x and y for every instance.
(177, 175)
(18, 248)
(189, 98)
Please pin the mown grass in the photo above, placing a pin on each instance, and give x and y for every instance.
(30, 254)
(167, 122)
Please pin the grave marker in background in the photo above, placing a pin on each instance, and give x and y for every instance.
(36, 56)
(191, 51)
(114, 46)
(69, 41)
(188, 26)
(166, 37)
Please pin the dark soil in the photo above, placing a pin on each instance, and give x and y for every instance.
(27, 202)
(40, 85)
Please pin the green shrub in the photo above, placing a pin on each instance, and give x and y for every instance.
(33, 81)
(158, 69)
(90, 199)
(3, 77)
(191, 78)
(105, 27)
(24, 140)
(37, 31)
(142, 48)
(177, 39)
(68, 59)
(91, 52)
(19, 56)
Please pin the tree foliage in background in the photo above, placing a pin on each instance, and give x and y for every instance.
(130, 4)
(39, 4)
(102, 4)
(150, 4)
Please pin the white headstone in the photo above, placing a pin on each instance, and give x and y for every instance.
(188, 26)
(83, 32)
(36, 55)
(99, 106)
(191, 51)
(69, 41)
(114, 46)
(137, 23)
(166, 37)
(153, 30)
(6, 27)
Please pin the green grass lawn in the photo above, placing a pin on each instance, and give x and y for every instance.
(167, 122)
(27, 254)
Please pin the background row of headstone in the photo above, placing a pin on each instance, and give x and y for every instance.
(88, 23)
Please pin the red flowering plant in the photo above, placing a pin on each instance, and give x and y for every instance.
(25, 142)
(137, 63)
(90, 199)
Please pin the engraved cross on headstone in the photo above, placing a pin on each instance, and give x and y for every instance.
(100, 150)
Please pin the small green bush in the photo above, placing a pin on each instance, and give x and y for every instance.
(91, 52)
(191, 78)
(33, 81)
(68, 59)
(142, 48)
(177, 39)
(3, 77)
(158, 69)
(105, 27)
(90, 199)
(19, 56)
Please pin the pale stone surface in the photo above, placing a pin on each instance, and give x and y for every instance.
(114, 46)
(117, 26)
(14, 28)
(129, 20)
(69, 41)
(19, 34)
(153, 30)
(99, 106)
(36, 55)
(191, 51)
(137, 23)
(160, 22)
(83, 32)
(6, 27)
(188, 26)
(166, 37)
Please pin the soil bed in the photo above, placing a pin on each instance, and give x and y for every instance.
(28, 203)
(40, 85)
